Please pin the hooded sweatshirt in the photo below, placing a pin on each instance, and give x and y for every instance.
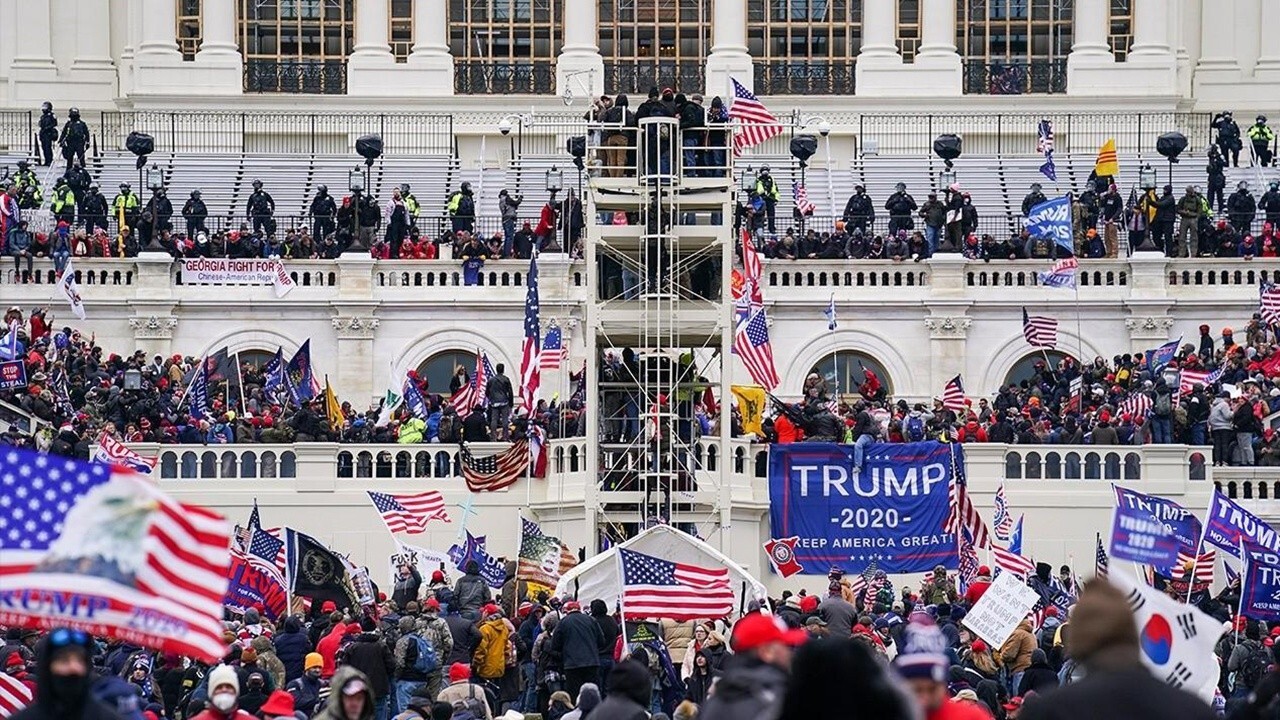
(333, 708)
(66, 701)
(630, 687)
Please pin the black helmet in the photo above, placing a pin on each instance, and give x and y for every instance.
(124, 187)
(46, 106)
(74, 113)
(94, 188)
(1262, 118)
(22, 164)
(900, 186)
(404, 187)
(466, 186)
(322, 189)
(257, 184)
(195, 194)
(1035, 187)
(764, 170)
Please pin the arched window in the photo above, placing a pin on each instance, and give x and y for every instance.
(844, 372)
(439, 368)
(255, 359)
(1026, 367)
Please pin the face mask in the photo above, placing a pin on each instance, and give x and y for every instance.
(69, 686)
(313, 673)
(224, 701)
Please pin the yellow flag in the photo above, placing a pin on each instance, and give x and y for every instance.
(1108, 164)
(751, 402)
(332, 408)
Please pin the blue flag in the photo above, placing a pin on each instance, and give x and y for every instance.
(1260, 582)
(1052, 219)
(1140, 537)
(1015, 539)
(1161, 356)
(198, 394)
(491, 571)
(414, 401)
(1048, 168)
(10, 347)
(1227, 522)
(275, 382)
(302, 374)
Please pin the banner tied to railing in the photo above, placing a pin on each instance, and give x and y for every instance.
(230, 271)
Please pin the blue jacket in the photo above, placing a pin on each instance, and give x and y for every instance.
(19, 240)
(292, 647)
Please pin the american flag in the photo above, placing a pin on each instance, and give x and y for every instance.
(1188, 380)
(495, 472)
(1002, 523)
(530, 365)
(1040, 330)
(963, 516)
(409, 514)
(1044, 137)
(968, 560)
(1060, 600)
(755, 123)
(553, 350)
(752, 298)
(953, 395)
(543, 558)
(14, 695)
(113, 452)
(472, 394)
(1136, 405)
(803, 204)
(1101, 564)
(868, 585)
(657, 588)
(1203, 564)
(1011, 561)
(116, 547)
(1269, 303)
(751, 343)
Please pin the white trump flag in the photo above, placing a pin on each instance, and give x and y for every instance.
(71, 291)
(1175, 640)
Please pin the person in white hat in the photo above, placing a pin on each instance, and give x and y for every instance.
(224, 696)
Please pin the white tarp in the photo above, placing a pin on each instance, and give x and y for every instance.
(597, 578)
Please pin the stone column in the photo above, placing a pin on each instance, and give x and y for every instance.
(93, 38)
(938, 34)
(373, 25)
(1217, 43)
(1090, 28)
(218, 31)
(879, 34)
(1268, 67)
(729, 57)
(1151, 29)
(159, 32)
(948, 337)
(158, 68)
(1147, 331)
(154, 333)
(33, 43)
(355, 333)
(430, 58)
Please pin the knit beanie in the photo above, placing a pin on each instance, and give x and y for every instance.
(313, 660)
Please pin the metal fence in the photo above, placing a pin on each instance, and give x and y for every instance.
(790, 78)
(490, 78)
(281, 132)
(1013, 77)
(308, 77)
(637, 78)
(18, 132)
(1015, 133)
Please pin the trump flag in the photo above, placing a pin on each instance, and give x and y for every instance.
(91, 547)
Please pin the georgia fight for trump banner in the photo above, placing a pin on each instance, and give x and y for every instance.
(892, 512)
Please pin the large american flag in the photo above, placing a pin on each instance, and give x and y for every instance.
(495, 472)
(14, 695)
(869, 583)
(472, 394)
(1203, 565)
(1101, 564)
(409, 514)
(554, 351)
(1269, 303)
(530, 365)
(751, 343)
(129, 560)
(1188, 380)
(1039, 330)
(1044, 137)
(755, 123)
(1002, 523)
(1136, 405)
(113, 452)
(963, 516)
(752, 298)
(968, 560)
(953, 395)
(801, 195)
(657, 588)
(1011, 561)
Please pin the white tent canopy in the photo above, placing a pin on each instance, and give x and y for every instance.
(597, 578)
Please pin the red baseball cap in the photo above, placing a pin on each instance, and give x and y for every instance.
(758, 629)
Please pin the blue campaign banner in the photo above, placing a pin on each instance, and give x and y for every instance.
(13, 375)
(1052, 219)
(1137, 535)
(1227, 522)
(1180, 521)
(1260, 583)
(892, 512)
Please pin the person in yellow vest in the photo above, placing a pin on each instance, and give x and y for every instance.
(64, 202)
(767, 189)
(126, 206)
(1262, 137)
(410, 203)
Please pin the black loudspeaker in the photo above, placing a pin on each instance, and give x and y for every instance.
(576, 146)
(948, 146)
(140, 144)
(803, 147)
(1171, 145)
(369, 147)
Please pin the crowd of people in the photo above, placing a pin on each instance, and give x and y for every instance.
(466, 651)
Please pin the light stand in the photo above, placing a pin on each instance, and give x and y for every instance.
(554, 183)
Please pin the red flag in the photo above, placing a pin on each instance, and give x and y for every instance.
(782, 553)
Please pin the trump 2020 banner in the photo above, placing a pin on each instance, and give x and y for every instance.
(1179, 521)
(1052, 219)
(1260, 583)
(1226, 523)
(891, 512)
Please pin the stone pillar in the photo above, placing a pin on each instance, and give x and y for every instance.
(158, 68)
(1268, 67)
(879, 34)
(33, 49)
(1091, 56)
(93, 38)
(1148, 331)
(371, 66)
(938, 35)
(219, 65)
(1149, 69)
(159, 32)
(948, 336)
(154, 333)
(1151, 29)
(1218, 63)
(430, 54)
(729, 57)
(355, 333)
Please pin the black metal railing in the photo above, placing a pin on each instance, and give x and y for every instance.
(306, 77)
(636, 78)
(790, 78)
(1015, 77)
(504, 78)
(281, 132)
(17, 132)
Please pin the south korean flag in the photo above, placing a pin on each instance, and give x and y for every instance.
(1176, 640)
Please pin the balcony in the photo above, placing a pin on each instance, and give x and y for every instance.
(511, 78)
(813, 78)
(306, 77)
(1015, 77)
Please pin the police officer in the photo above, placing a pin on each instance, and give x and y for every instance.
(1241, 207)
(195, 213)
(1262, 136)
(1033, 198)
(78, 180)
(767, 189)
(25, 177)
(161, 211)
(1217, 171)
(1270, 204)
(1228, 140)
(30, 197)
(261, 208)
(64, 202)
(48, 132)
(410, 203)
(75, 137)
(128, 203)
(323, 210)
(859, 212)
(93, 210)
(462, 209)
(900, 206)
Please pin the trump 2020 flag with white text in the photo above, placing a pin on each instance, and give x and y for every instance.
(1052, 219)
(92, 547)
(1175, 640)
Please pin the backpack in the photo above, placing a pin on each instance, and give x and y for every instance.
(914, 429)
(1163, 405)
(469, 708)
(1252, 669)
(445, 430)
(423, 654)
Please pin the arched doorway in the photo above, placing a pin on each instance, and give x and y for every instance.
(1026, 367)
(844, 371)
(439, 368)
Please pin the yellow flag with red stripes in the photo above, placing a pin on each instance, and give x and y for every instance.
(1108, 163)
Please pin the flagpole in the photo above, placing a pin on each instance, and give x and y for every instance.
(1244, 568)
(1195, 556)
(622, 605)
(290, 553)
